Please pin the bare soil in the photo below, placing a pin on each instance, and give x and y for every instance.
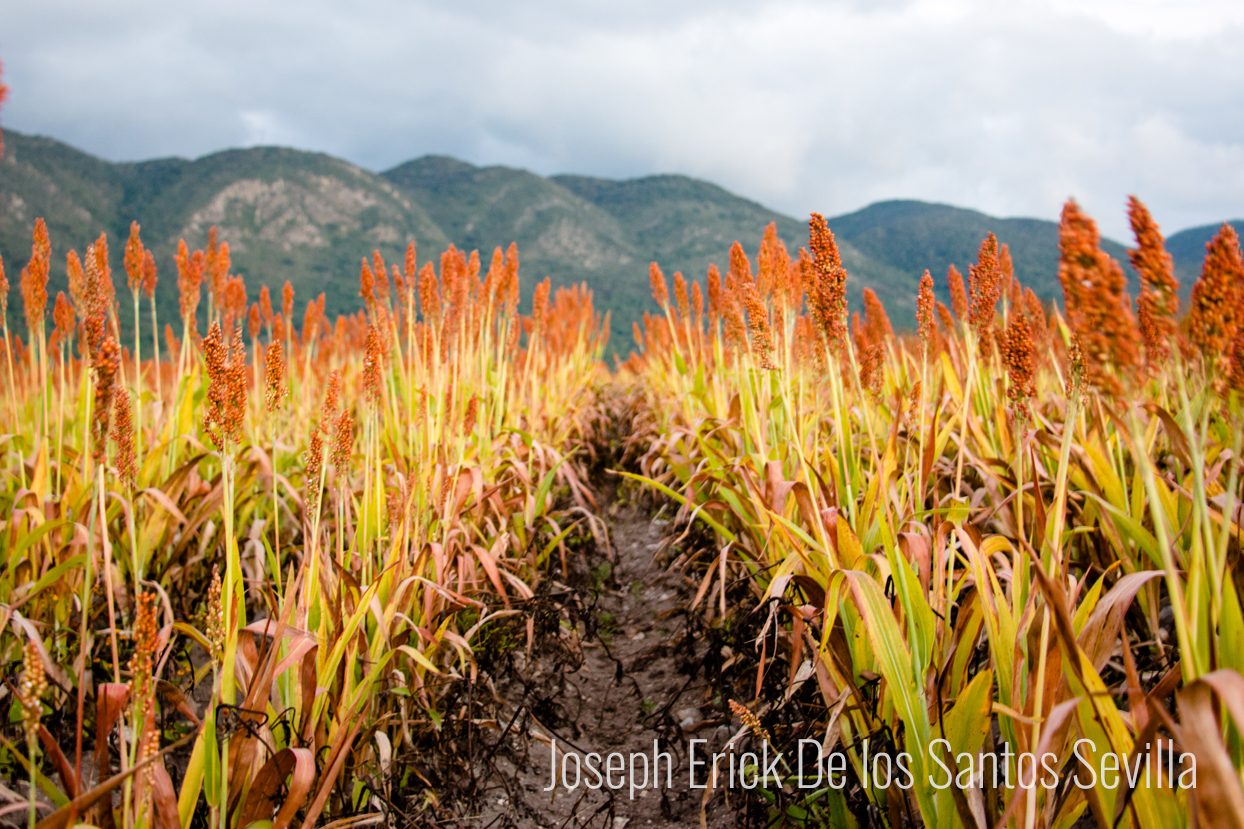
(623, 671)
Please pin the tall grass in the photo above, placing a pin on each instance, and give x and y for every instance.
(312, 521)
(986, 537)
(1014, 531)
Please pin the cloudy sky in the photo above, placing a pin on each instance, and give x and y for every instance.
(1007, 107)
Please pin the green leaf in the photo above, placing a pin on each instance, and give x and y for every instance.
(721, 531)
(546, 484)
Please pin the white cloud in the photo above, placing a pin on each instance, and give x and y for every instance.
(1158, 19)
(1005, 107)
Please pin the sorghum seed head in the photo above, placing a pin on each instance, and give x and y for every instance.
(958, 294)
(123, 435)
(373, 366)
(927, 323)
(1019, 357)
(827, 289)
(274, 374)
(149, 274)
(215, 617)
(31, 687)
(146, 631)
(135, 253)
(750, 720)
(343, 439)
(656, 279)
(106, 362)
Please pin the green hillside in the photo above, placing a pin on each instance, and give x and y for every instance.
(683, 223)
(686, 224)
(309, 218)
(559, 235)
(910, 236)
(286, 214)
(76, 194)
(604, 232)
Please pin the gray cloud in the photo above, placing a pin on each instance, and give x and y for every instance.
(1008, 108)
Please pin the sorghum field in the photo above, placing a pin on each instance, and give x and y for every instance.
(259, 570)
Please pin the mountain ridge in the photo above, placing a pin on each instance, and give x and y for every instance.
(310, 217)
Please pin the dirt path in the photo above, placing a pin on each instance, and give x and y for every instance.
(628, 673)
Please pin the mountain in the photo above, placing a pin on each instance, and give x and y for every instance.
(603, 232)
(559, 235)
(286, 214)
(911, 236)
(686, 225)
(309, 218)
